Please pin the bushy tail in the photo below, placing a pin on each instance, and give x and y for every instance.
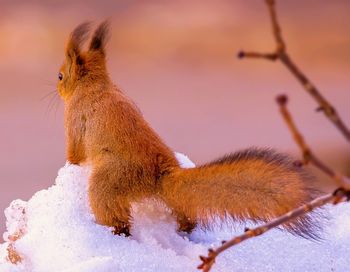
(253, 184)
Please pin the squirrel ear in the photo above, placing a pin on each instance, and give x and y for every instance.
(100, 37)
(76, 40)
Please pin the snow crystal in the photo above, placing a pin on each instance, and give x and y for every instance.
(55, 231)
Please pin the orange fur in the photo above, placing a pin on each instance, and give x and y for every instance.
(131, 162)
(254, 184)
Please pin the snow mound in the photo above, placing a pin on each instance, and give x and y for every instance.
(55, 231)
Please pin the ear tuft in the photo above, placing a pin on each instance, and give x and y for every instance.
(80, 34)
(77, 38)
(100, 37)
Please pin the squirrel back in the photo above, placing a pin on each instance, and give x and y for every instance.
(130, 161)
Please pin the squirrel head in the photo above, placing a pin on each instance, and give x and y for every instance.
(82, 69)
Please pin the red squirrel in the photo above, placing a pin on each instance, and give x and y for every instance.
(131, 162)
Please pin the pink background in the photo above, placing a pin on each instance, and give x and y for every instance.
(176, 59)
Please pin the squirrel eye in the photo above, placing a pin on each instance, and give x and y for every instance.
(60, 76)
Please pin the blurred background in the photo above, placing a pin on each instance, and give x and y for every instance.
(177, 61)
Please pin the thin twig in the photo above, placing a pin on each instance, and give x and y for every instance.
(281, 54)
(308, 155)
(338, 196)
(342, 193)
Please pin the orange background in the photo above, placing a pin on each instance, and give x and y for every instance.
(177, 60)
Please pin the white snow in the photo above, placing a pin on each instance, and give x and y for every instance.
(58, 233)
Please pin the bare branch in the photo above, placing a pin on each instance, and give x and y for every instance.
(282, 55)
(268, 56)
(338, 196)
(308, 155)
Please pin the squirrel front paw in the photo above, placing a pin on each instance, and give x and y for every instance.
(74, 160)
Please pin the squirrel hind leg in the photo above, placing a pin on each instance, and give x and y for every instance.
(109, 206)
(122, 228)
